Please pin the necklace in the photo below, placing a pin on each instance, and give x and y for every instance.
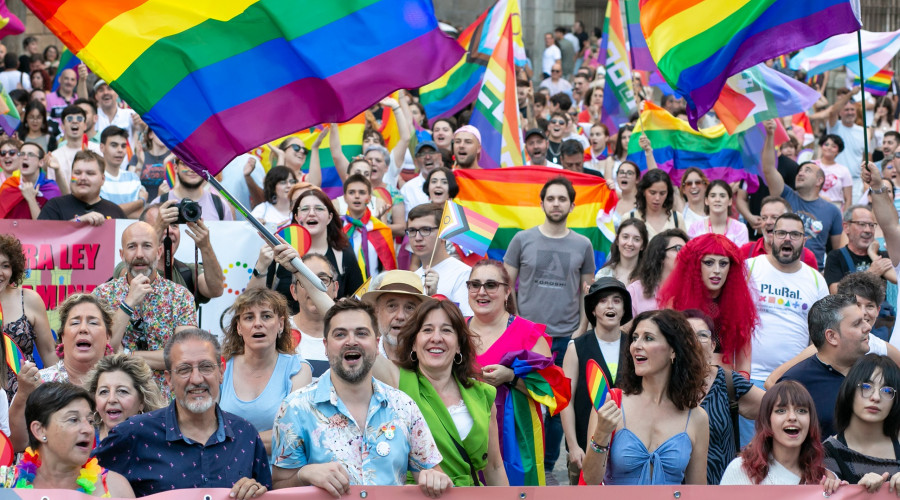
(31, 462)
(550, 148)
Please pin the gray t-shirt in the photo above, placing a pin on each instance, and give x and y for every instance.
(550, 271)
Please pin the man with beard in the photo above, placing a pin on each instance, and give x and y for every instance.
(536, 147)
(427, 158)
(84, 204)
(191, 443)
(770, 209)
(148, 308)
(554, 266)
(193, 187)
(467, 147)
(110, 113)
(859, 225)
(348, 409)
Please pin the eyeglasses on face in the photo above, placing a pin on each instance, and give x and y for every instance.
(866, 389)
(782, 234)
(319, 209)
(865, 225)
(424, 231)
(677, 248)
(489, 285)
(704, 336)
(206, 369)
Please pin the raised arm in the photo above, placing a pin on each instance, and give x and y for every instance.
(885, 213)
(834, 112)
(404, 124)
(314, 176)
(341, 163)
(773, 178)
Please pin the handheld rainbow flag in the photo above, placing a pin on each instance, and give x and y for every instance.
(296, 236)
(643, 60)
(7, 454)
(459, 86)
(878, 84)
(170, 174)
(496, 113)
(467, 228)
(511, 197)
(389, 129)
(15, 358)
(598, 386)
(698, 44)
(169, 63)
(618, 90)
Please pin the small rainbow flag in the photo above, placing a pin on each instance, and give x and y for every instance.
(296, 236)
(14, 355)
(879, 84)
(7, 455)
(598, 386)
(170, 174)
(467, 228)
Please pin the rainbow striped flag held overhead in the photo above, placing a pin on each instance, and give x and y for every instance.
(169, 60)
(676, 147)
(467, 228)
(618, 91)
(698, 44)
(643, 60)
(758, 94)
(496, 113)
(511, 198)
(878, 84)
(390, 130)
(877, 50)
(459, 86)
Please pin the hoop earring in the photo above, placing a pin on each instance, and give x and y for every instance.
(414, 357)
(59, 351)
(458, 361)
(108, 351)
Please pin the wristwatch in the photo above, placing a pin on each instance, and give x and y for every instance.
(257, 274)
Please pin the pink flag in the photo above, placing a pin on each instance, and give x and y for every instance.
(9, 23)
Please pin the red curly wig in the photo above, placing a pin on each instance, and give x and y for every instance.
(734, 311)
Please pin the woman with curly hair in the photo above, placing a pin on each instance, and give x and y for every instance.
(787, 447)
(658, 263)
(655, 202)
(122, 386)
(709, 275)
(662, 387)
(24, 315)
(261, 368)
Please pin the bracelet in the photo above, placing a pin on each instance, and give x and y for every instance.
(514, 381)
(880, 190)
(126, 308)
(597, 448)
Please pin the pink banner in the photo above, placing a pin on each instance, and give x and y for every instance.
(63, 258)
(509, 493)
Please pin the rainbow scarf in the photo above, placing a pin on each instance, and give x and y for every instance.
(698, 44)
(379, 237)
(169, 61)
(11, 196)
(519, 416)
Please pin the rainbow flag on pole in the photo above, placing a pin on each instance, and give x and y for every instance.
(459, 86)
(496, 113)
(511, 198)
(618, 91)
(199, 72)
(878, 84)
(467, 228)
(643, 60)
(698, 44)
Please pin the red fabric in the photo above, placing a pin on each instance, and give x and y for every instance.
(758, 247)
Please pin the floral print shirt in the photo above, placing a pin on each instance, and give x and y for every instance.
(314, 426)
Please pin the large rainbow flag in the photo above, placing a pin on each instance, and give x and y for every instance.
(496, 113)
(217, 78)
(459, 86)
(640, 53)
(618, 90)
(351, 133)
(511, 197)
(698, 44)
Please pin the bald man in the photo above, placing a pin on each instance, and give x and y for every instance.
(67, 92)
(148, 308)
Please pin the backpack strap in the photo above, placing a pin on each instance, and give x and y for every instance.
(220, 208)
(733, 408)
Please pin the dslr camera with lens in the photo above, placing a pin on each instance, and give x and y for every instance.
(188, 211)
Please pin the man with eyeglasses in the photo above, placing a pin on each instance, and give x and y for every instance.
(858, 254)
(427, 158)
(422, 229)
(191, 443)
(841, 336)
(555, 83)
(148, 308)
(74, 126)
(770, 208)
(192, 186)
(25, 196)
(84, 204)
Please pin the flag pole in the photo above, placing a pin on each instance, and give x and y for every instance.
(862, 85)
(263, 231)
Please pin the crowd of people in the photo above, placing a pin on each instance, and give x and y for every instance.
(752, 334)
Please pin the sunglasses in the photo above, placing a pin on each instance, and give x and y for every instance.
(74, 118)
(489, 285)
(297, 148)
(9, 152)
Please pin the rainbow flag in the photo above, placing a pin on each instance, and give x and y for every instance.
(519, 416)
(379, 237)
(878, 49)
(878, 84)
(67, 60)
(698, 44)
(640, 53)
(296, 236)
(496, 113)
(758, 94)
(459, 86)
(171, 176)
(169, 61)
(350, 135)
(597, 385)
(9, 115)
(511, 197)
(618, 90)
(468, 229)
(15, 358)
(389, 129)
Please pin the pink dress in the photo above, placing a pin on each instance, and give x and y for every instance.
(521, 334)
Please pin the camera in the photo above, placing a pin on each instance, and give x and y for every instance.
(188, 211)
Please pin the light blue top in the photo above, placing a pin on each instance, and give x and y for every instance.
(630, 463)
(261, 411)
